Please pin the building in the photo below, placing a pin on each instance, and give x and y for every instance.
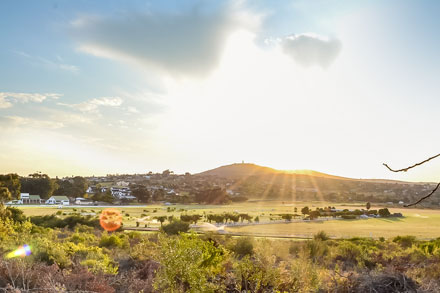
(60, 200)
(122, 193)
(83, 201)
(27, 198)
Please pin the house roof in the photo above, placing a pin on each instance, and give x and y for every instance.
(34, 197)
(59, 197)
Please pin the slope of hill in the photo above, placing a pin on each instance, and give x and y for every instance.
(245, 170)
(239, 170)
(258, 182)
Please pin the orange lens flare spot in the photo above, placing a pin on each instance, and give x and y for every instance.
(110, 219)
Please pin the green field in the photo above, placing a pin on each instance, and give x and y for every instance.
(422, 223)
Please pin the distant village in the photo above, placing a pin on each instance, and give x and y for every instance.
(232, 183)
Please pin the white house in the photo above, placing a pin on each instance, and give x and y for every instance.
(122, 192)
(122, 183)
(60, 200)
(26, 198)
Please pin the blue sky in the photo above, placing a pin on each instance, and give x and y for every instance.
(96, 87)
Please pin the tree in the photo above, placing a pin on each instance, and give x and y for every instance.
(175, 227)
(384, 213)
(368, 206)
(12, 182)
(5, 195)
(103, 196)
(39, 184)
(158, 194)
(161, 219)
(287, 217)
(75, 187)
(305, 210)
(141, 193)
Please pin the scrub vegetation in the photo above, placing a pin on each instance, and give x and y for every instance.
(82, 257)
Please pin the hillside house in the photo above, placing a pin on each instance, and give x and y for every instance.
(59, 200)
(122, 193)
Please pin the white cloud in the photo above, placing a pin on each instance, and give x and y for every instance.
(311, 49)
(189, 42)
(7, 99)
(91, 106)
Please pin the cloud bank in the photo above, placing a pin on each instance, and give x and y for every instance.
(92, 105)
(7, 99)
(189, 42)
(311, 49)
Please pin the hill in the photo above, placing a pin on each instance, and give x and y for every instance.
(239, 170)
(259, 182)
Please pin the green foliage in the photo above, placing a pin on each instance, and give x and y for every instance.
(384, 213)
(176, 227)
(141, 193)
(144, 250)
(39, 184)
(287, 217)
(405, 241)
(305, 210)
(161, 219)
(15, 214)
(52, 221)
(190, 218)
(63, 254)
(316, 249)
(5, 195)
(243, 246)
(74, 187)
(104, 197)
(12, 183)
(188, 263)
(113, 241)
(300, 275)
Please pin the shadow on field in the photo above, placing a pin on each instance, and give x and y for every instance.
(392, 219)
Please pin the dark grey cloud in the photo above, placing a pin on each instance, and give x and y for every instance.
(310, 49)
(184, 43)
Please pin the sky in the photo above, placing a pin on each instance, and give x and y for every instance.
(105, 87)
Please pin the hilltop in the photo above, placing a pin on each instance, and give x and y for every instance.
(239, 170)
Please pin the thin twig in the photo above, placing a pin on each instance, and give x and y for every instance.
(423, 198)
(410, 167)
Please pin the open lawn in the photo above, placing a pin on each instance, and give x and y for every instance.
(422, 223)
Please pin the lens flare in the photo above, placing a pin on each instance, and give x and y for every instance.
(110, 219)
(22, 251)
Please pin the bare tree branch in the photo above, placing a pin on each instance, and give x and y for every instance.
(410, 167)
(423, 198)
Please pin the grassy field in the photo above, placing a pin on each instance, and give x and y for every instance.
(422, 223)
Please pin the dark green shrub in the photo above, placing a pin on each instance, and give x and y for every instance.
(114, 240)
(175, 227)
(405, 241)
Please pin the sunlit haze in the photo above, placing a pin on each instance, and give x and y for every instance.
(127, 87)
